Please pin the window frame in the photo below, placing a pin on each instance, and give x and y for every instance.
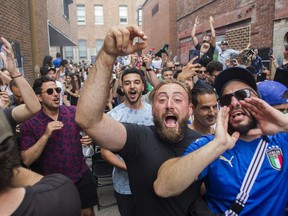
(83, 16)
(125, 16)
(99, 18)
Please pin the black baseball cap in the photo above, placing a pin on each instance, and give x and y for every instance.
(44, 70)
(224, 42)
(234, 73)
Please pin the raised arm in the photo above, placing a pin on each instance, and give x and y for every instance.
(189, 70)
(274, 62)
(94, 94)
(151, 76)
(271, 120)
(213, 33)
(194, 38)
(246, 48)
(177, 174)
(31, 103)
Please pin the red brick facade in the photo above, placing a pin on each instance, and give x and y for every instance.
(237, 21)
(16, 26)
(159, 23)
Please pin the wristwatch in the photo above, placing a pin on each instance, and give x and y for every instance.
(149, 69)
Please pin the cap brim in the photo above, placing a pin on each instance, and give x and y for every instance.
(234, 73)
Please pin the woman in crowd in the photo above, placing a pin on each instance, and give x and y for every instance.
(71, 90)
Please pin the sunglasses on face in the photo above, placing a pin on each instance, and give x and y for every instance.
(50, 91)
(225, 100)
(201, 72)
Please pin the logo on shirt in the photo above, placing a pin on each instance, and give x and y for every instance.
(275, 157)
(226, 160)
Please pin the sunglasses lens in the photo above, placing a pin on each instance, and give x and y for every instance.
(49, 91)
(226, 100)
(58, 90)
(242, 94)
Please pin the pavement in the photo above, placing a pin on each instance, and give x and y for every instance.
(106, 199)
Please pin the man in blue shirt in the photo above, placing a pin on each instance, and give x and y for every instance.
(57, 61)
(222, 160)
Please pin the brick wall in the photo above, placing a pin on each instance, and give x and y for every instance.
(161, 27)
(15, 26)
(237, 21)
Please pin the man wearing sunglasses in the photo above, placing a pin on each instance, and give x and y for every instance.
(225, 53)
(245, 125)
(51, 143)
(143, 148)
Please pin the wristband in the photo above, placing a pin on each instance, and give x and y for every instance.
(16, 76)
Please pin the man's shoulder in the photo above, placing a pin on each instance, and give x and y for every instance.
(192, 133)
(119, 108)
(67, 109)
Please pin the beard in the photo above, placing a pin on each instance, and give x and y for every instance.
(170, 135)
(242, 129)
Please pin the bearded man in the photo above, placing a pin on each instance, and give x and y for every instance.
(143, 148)
(244, 165)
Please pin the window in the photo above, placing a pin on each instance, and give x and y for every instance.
(139, 17)
(123, 14)
(99, 44)
(82, 48)
(99, 18)
(66, 8)
(155, 9)
(68, 52)
(81, 19)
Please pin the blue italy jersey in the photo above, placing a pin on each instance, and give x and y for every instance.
(223, 177)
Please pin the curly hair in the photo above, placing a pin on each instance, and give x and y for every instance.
(9, 159)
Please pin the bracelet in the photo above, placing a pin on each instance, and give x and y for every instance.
(16, 76)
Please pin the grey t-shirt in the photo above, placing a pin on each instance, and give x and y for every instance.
(122, 113)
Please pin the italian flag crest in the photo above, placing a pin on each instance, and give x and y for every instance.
(275, 157)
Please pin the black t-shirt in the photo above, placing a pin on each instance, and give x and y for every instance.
(54, 194)
(281, 74)
(143, 154)
(9, 117)
(207, 57)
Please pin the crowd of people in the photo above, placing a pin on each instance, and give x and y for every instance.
(206, 137)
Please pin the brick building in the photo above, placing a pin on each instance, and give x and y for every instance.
(263, 23)
(95, 17)
(62, 25)
(160, 24)
(26, 24)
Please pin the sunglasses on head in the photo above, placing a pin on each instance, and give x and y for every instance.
(225, 100)
(50, 91)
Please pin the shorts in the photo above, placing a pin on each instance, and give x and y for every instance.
(87, 189)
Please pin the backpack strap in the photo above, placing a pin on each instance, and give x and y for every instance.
(249, 178)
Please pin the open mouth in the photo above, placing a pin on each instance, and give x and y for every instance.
(132, 94)
(171, 121)
(237, 115)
